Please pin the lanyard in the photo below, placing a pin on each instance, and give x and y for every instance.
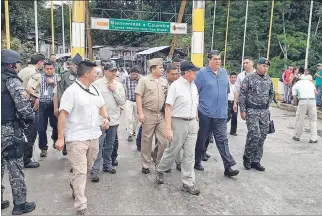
(87, 90)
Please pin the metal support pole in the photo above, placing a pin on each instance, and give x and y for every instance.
(63, 24)
(308, 38)
(52, 27)
(6, 11)
(70, 27)
(226, 39)
(78, 28)
(198, 28)
(36, 26)
(213, 27)
(270, 30)
(245, 29)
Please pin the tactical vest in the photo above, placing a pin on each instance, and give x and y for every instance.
(8, 112)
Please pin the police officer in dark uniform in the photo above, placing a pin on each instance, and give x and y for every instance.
(15, 112)
(256, 93)
(64, 80)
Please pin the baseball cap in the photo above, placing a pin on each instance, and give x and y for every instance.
(264, 61)
(110, 66)
(187, 65)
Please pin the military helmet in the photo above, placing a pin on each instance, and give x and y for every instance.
(9, 56)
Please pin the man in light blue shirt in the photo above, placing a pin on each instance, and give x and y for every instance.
(213, 87)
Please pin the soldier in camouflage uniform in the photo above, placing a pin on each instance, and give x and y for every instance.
(256, 93)
(16, 111)
(64, 80)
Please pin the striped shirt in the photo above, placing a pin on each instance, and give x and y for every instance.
(47, 90)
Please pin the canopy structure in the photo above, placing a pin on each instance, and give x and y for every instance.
(152, 50)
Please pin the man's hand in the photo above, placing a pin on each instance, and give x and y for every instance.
(169, 134)
(56, 111)
(36, 105)
(105, 124)
(59, 144)
(243, 115)
(50, 81)
(235, 107)
(112, 87)
(141, 118)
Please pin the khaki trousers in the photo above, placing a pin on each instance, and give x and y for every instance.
(82, 155)
(306, 106)
(184, 139)
(131, 117)
(154, 123)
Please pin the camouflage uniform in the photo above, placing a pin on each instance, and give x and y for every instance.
(12, 140)
(64, 80)
(256, 93)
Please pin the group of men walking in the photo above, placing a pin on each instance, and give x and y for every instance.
(181, 110)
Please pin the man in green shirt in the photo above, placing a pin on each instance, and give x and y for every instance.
(318, 83)
(58, 69)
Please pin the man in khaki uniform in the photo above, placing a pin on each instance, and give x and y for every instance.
(29, 75)
(150, 98)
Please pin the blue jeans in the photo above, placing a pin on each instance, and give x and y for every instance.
(219, 128)
(319, 96)
(46, 111)
(108, 147)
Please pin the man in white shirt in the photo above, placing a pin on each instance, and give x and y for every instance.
(306, 75)
(181, 114)
(249, 69)
(114, 97)
(231, 113)
(79, 123)
(304, 93)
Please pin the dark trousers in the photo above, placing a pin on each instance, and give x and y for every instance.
(115, 148)
(30, 132)
(108, 146)
(233, 116)
(46, 111)
(219, 128)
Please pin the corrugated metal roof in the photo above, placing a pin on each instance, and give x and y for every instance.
(152, 50)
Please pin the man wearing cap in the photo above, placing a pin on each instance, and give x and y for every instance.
(31, 81)
(304, 93)
(150, 96)
(64, 80)
(15, 111)
(114, 97)
(130, 84)
(256, 93)
(181, 116)
(318, 84)
(213, 86)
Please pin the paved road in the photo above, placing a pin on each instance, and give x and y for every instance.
(291, 183)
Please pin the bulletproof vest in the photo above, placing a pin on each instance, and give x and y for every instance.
(8, 112)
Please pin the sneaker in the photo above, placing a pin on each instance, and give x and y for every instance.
(204, 158)
(43, 153)
(110, 171)
(207, 155)
(130, 139)
(233, 134)
(296, 138)
(5, 204)
(145, 170)
(190, 189)
(23, 208)
(159, 177)
(313, 141)
(81, 212)
(95, 178)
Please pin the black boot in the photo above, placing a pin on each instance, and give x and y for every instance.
(23, 208)
(230, 172)
(32, 164)
(246, 163)
(5, 204)
(257, 166)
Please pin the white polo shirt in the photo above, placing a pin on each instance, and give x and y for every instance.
(240, 78)
(232, 90)
(304, 89)
(113, 100)
(83, 122)
(184, 98)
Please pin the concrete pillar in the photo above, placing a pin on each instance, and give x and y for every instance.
(78, 28)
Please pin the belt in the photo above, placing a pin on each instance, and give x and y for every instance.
(184, 119)
(132, 100)
(307, 98)
(230, 101)
(255, 106)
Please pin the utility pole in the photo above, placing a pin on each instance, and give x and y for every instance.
(88, 31)
(198, 29)
(6, 10)
(308, 38)
(36, 26)
(174, 41)
(63, 24)
(52, 27)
